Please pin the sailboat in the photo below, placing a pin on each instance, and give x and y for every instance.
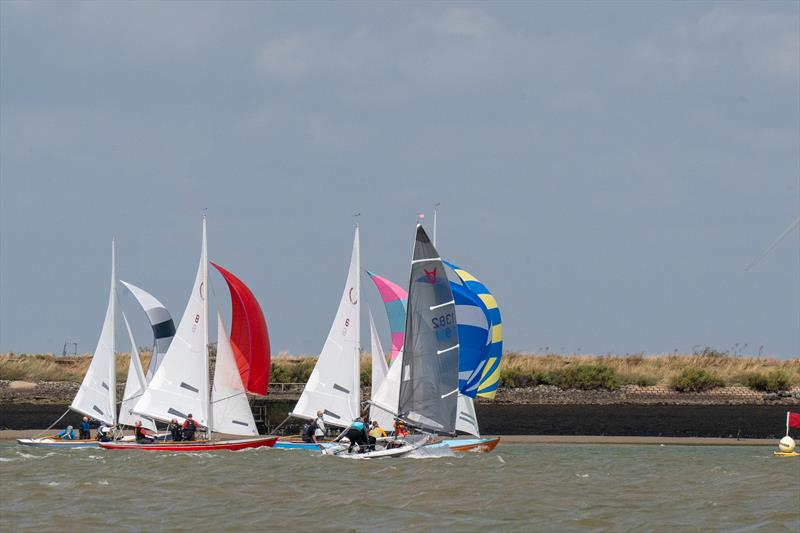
(428, 364)
(334, 385)
(181, 384)
(97, 394)
(472, 317)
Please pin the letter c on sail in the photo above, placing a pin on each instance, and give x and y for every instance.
(353, 301)
(202, 292)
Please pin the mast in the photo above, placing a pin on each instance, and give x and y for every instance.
(112, 378)
(357, 325)
(206, 400)
(435, 212)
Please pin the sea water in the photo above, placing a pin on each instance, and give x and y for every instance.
(518, 487)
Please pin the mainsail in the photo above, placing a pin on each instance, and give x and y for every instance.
(160, 321)
(249, 337)
(180, 386)
(429, 384)
(97, 395)
(394, 299)
(232, 413)
(379, 372)
(135, 385)
(334, 384)
(490, 375)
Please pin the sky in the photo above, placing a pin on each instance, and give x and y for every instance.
(609, 170)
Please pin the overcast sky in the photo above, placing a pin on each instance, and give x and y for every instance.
(607, 169)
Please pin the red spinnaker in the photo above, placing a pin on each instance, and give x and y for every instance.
(249, 336)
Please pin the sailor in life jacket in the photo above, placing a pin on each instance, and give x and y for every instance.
(400, 428)
(189, 427)
(141, 434)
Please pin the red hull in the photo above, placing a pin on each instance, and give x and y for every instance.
(232, 445)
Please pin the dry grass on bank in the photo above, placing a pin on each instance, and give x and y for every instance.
(517, 369)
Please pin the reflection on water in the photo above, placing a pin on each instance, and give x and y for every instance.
(516, 488)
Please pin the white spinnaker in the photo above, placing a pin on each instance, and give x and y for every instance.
(160, 321)
(134, 386)
(379, 372)
(231, 410)
(466, 421)
(97, 395)
(334, 386)
(176, 389)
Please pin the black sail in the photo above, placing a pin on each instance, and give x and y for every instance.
(429, 382)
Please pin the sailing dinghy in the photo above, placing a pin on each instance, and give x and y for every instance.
(181, 384)
(386, 393)
(96, 397)
(428, 364)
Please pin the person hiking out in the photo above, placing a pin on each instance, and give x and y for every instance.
(357, 435)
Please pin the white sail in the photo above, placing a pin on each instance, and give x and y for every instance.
(379, 372)
(387, 395)
(160, 321)
(97, 395)
(180, 385)
(334, 386)
(134, 386)
(231, 410)
(466, 420)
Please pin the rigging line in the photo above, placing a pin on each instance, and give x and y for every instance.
(51, 425)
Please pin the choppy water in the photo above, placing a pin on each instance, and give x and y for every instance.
(515, 488)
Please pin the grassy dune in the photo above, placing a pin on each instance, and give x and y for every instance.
(699, 371)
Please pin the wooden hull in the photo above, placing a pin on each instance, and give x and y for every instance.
(49, 442)
(200, 446)
(484, 445)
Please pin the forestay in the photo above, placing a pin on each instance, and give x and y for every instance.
(160, 321)
(135, 385)
(231, 410)
(334, 386)
(97, 395)
(379, 372)
(180, 386)
(429, 384)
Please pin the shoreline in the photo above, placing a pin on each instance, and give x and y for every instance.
(9, 435)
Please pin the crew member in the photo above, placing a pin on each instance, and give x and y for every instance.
(189, 427)
(83, 431)
(67, 434)
(174, 430)
(141, 434)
